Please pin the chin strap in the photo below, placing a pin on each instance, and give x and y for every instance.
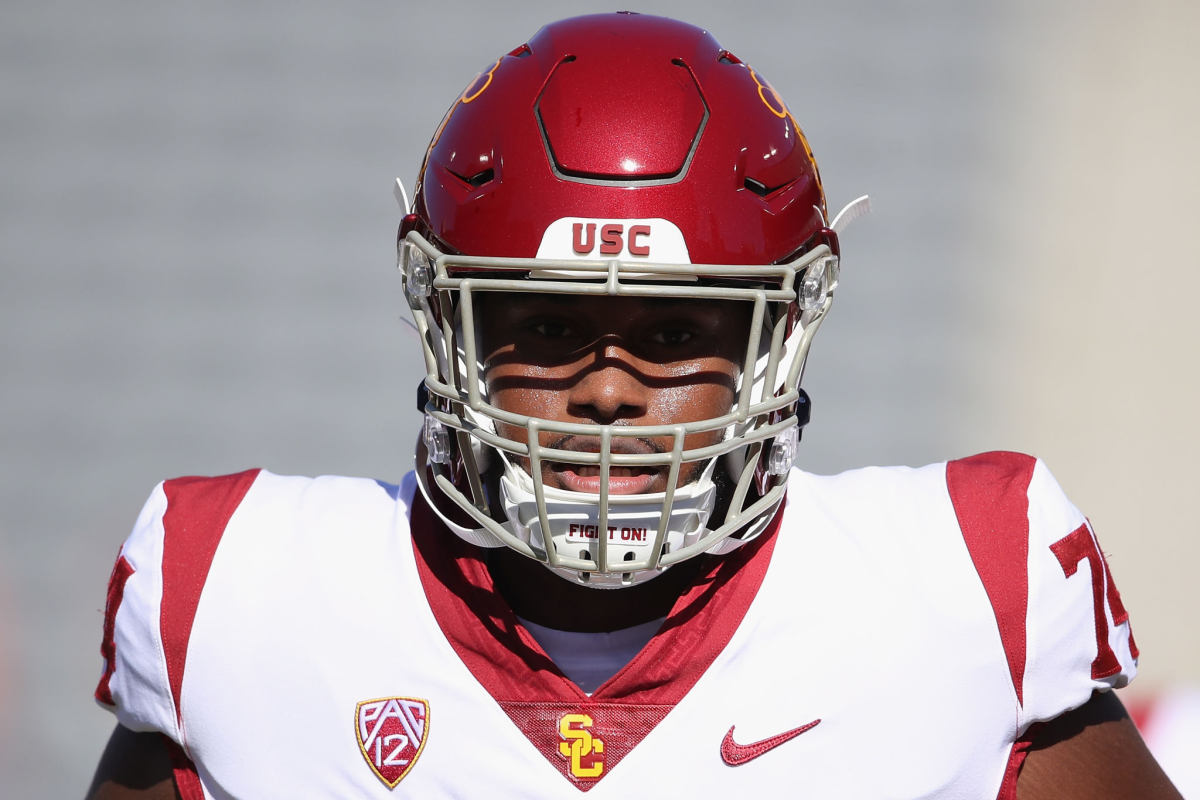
(476, 536)
(751, 532)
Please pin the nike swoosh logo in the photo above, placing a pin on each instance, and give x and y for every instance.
(735, 754)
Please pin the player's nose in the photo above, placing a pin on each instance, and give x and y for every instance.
(610, 389)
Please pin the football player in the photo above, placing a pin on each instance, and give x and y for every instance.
(604, 574)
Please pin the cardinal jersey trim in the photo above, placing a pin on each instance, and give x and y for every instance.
(990, 496)
(567, 726)
(108, 646)
(187, 781)
(198, 511)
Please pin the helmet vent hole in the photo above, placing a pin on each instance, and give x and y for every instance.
(727, 57)
(762, 190)
(678, 62)
(521, 52)
(568, 59)
(482, 178)
(759, 189)
(476, 180)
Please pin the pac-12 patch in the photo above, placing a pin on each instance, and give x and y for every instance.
(391, 734)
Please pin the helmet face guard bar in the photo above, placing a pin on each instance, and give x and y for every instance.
(789, 303)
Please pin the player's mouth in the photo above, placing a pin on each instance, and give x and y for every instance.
(621, 480)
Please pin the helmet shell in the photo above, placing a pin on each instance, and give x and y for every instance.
(621, 116)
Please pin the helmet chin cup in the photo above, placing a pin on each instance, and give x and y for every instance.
(629, 535)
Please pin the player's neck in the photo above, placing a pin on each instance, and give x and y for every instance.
(540, 596)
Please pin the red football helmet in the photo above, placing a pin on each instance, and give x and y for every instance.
(616, 154)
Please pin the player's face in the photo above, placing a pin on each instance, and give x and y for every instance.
(613, 361)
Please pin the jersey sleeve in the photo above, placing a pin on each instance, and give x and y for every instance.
(1079, 636)
(153, 597)
(133, 684)
(1061, 623)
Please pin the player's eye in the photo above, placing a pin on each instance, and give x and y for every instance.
(671, 337)
(552, 330)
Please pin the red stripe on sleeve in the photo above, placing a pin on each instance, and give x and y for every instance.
(198, 509)
(187, 781)
(1016, 759)
(990, 496)
(108, 647)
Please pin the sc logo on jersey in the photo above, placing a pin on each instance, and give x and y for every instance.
(580, 747)
(391, 734)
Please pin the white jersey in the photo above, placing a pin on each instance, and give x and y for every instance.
(896, 633)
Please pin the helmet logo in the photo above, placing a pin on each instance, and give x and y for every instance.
(475, 88)
(774, 101)
(771, 98)
(481, 81)
(656, 240)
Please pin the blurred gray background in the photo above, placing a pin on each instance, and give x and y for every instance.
(197, 272)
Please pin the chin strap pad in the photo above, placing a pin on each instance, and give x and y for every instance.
(401, 196)
(479, 537)
(855, 209)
